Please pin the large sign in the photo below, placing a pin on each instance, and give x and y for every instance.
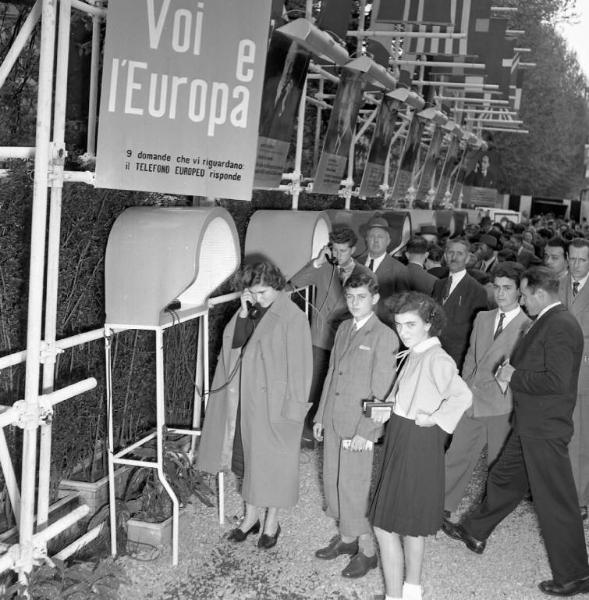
(181, 95)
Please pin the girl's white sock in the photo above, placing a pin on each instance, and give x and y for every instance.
(411, 591)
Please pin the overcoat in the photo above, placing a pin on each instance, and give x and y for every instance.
(276, 369)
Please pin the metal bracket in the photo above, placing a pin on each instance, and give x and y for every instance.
(57, 154)
(29, 416)
(49, 351)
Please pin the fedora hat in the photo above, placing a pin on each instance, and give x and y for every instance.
(375, 222)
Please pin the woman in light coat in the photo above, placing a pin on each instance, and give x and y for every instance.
(259, 400)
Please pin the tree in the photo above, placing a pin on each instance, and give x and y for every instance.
(549, 161)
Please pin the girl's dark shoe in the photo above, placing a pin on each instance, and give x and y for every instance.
(238, 535)
(269, 541)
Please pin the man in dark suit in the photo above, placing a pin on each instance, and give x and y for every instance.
(419, 279)
(524, 257)
(543, 377)
(391, 274)
(462, 298)
(487, 421)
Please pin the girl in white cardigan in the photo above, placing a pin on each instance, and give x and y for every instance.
(428, 398)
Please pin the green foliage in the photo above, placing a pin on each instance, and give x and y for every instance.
(79, 581)
(145, 496)
(549, 161)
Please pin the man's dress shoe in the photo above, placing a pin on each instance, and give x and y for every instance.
(337, 547)
(457, 532)
(269, 541)
(238, 535)
(359, 565)
(577, 586)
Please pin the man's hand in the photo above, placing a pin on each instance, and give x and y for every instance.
(318, 432)
(504, 372)
(322, 256)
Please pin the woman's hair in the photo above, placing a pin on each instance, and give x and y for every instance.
(425, 306)
(259, 273)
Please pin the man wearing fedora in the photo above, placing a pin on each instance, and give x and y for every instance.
(392, 275)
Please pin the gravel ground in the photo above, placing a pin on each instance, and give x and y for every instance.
(212, 568)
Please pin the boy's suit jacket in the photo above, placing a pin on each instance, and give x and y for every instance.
(465, 301)
(482, 359)
(362, 365)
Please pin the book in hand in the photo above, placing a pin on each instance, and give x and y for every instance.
(375, 408)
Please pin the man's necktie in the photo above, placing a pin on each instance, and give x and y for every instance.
(371, 265)
(341, 273)
(499, 325)
(447, 288)
(575, 288)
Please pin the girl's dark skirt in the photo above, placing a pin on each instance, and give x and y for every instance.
(409, 494)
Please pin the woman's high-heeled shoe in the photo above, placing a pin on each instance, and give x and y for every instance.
(238, 535)
(269, 541)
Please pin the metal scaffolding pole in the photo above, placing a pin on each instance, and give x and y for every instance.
(36, 279)
(53, 252)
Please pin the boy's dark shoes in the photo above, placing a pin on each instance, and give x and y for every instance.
(359, 565)
(337, 547)
(456, 531)
(577, 586)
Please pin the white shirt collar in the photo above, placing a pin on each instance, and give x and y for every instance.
(509, 316)
(377, 261)
(456, 278)
(547, 308)
(359, 324)
(582, 282)
(425, 345)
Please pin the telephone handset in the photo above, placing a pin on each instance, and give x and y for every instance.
(331, 259)
(253, 310)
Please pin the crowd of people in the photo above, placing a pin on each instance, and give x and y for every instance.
(460, 344)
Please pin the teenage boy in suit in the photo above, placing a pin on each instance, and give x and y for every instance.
(328, 272)
(487, 421)
(543, 375)
(362, 366)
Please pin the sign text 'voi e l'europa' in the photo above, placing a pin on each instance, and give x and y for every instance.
(181, 94)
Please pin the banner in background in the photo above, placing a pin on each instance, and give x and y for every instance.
(340, 132)
(286, 70)
(431, 168)
(451, 161)
(181, 93)
(384, 128)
